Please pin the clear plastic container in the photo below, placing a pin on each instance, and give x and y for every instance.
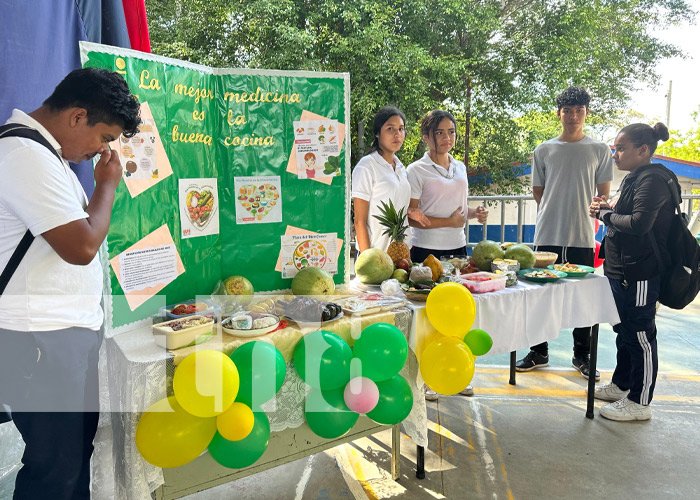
(201, 307)
(483, 282)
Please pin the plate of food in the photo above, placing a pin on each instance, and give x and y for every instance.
(250, 324)
(419, 290)
(572, 270)
(189, 308)
(541, 275)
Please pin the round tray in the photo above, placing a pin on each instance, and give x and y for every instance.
(251, 333)
(418, 295)
(586, 270)
(523, 272)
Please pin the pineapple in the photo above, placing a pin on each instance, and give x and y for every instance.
(396, 227)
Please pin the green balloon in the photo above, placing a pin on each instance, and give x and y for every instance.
(322, 360)
(327, 414)
(478, 341)
(395, 401)
(262, 369)
(383, 350)
(243, 453)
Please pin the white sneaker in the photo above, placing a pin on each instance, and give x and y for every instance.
(625, 410)
(608, 392)
(430, 395)
(467, 391)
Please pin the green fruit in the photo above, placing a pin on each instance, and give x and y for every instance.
(401, 275)
(523, 254)
(485, 252)
(373, 266)
(239, 286)
(313, 281)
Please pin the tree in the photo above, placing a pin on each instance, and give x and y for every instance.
(684, 146)
(490, 61)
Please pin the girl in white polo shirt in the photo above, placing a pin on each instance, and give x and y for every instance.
(380, 176)
(439, 188)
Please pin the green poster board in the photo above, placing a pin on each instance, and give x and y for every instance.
(223, 124)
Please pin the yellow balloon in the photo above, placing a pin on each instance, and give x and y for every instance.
(236, 423)
(447, 365)
(168, 436)
(206, 383)
(451, 309)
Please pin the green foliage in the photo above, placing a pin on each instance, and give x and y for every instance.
(685, 146)
(500, 62)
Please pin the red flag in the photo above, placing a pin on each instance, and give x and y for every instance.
(137, 25)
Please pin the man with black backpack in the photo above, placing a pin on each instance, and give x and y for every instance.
(636, 256)
(51, 282)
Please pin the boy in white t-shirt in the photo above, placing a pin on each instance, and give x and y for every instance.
(50, 314)
(567, 172)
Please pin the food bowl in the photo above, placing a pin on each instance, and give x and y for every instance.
(189, 308)
(182, 332)
(484, 282)
(544, 259)
(505, 265)
(459, 262)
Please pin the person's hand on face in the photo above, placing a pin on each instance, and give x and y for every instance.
(108, 170)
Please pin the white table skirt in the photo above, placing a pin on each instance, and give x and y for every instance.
(530, 313)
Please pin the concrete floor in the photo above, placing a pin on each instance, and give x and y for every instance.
(529, 441)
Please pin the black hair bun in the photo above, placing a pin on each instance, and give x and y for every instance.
(661, 131)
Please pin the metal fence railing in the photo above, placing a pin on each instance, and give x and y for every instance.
(521, 200)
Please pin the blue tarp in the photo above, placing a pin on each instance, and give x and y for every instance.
(39, 40)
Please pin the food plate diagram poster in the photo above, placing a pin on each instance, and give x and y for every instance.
(258, 199)
(199, 207)
(300, 251)
(214, 132)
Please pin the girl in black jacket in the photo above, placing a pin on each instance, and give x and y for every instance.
(643, 207)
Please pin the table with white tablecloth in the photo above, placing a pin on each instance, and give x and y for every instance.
(140, 372)
(528, 314)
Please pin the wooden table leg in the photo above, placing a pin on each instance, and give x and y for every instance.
(512, 368)
(591, 373)
(396, 452)
(420, 462)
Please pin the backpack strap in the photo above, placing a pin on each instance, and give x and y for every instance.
(19, 130)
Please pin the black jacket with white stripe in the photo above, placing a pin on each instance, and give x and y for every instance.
(641, 207)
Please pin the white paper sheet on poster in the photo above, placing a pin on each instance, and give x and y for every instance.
(199, 207)
(315, 141)
(309, 250)
(147, 267)
(138, 153)
(258, 199)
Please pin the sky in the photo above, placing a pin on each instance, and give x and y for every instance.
(685, 75)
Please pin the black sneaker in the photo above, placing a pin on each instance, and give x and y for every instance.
(583, 365)
(531, 361)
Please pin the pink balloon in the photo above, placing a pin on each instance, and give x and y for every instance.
(597, 226)
(361, 395)
(597, 261)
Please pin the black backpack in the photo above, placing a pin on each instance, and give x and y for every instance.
(680, 278)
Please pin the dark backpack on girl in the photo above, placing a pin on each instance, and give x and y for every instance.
(680, 278)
